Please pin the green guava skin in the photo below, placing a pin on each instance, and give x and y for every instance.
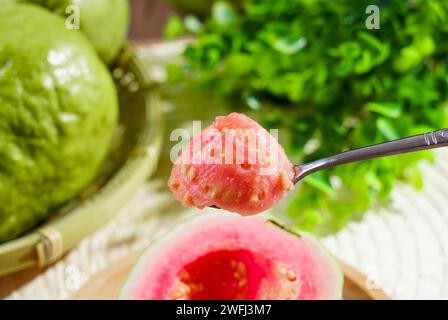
(58, 114)
(104, 22)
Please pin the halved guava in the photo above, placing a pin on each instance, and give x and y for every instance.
(234, 164)
(214, 257)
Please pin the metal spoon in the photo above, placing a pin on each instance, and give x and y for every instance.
(425, 141)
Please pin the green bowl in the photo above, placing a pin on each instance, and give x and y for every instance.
(133, 158)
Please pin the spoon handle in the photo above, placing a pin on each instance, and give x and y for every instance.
(430, 140)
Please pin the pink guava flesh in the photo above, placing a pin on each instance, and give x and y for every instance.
(233, 164)
(227, 256)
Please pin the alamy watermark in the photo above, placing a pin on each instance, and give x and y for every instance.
(72, 278)
(231, 146)
(373, 20)
(372, 278)
(72, 22)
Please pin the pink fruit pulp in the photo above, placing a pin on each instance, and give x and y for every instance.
(230, 257)
(246, 185)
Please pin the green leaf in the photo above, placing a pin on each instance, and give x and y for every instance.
(174, 27)
(344, 68)
(387, 109)
(373, 180)
(320, 182)
(424, 44)
(365, 63)
(223, 14)
(253, 102)
(408, 58)
(349, 49)
(386, 127)
(287, 46)
(239, 64)
(193, 24)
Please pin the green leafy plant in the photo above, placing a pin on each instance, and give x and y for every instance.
(312, 68)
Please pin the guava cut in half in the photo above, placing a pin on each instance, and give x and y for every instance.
(229, 257)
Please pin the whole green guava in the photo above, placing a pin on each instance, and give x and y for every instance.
(58, 114)
(105, 22)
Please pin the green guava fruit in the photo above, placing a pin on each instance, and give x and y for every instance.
(58, 114)
(228, 257)
(105, 22)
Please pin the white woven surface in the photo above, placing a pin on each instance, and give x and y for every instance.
(403, 249)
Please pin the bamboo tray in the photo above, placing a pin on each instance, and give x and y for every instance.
(106, 284)
(133, 158)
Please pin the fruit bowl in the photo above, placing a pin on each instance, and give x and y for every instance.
(132, 159)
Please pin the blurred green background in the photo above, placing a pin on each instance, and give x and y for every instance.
(313, 69)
